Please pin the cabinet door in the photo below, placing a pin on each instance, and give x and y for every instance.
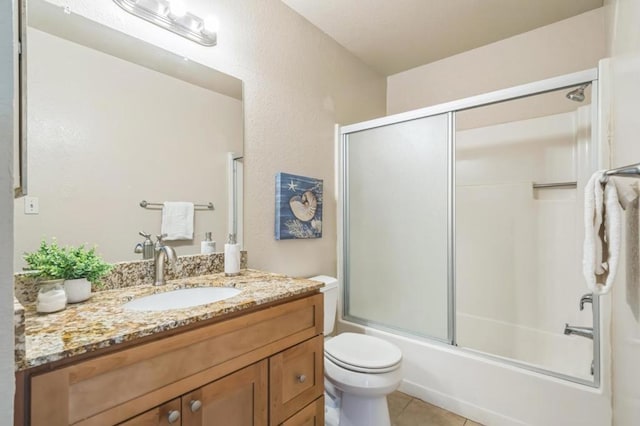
(165, 415)
(239, 399)
(296, 378)
(311, 415)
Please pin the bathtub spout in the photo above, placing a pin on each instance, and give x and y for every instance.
(579, 331)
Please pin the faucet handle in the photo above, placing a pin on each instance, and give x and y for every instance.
(144, 234)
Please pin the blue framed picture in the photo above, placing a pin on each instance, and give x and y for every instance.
(298, 207)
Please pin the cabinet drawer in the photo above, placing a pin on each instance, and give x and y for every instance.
(296, 378)
(311, 415)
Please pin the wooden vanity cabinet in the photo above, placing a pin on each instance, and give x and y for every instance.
(261, 368)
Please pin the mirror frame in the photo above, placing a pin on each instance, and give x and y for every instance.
(20, 190)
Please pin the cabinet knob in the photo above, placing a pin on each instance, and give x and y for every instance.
(301, 378)
(173, 416)
(195, 405)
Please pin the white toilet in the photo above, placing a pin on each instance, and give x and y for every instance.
(360, 370)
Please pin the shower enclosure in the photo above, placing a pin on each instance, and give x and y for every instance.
(462, 225)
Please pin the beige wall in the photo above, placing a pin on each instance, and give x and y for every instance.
(625, 137)
(574, 44)
(105, 134)
(297, 84)
(6, 210)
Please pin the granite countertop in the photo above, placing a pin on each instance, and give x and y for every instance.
(102, 322)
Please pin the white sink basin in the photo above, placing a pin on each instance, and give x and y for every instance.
(180, 299)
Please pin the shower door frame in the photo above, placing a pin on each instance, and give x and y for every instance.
(450, 109)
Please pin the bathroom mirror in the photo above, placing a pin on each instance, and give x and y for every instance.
(113, 121)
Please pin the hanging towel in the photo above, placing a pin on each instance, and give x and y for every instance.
(603, 221)
(177, 220)
(627, 195)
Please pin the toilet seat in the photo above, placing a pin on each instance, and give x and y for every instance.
(362, 353)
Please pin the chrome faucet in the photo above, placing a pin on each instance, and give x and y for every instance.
(162, 253)
(578, 331)
(587, 298)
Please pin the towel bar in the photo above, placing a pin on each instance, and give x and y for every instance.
(632, 170)
(146, 205)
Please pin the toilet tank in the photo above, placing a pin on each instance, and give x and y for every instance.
(330, 291)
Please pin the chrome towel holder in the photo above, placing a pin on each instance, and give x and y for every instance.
(632, 170)
(148, 205)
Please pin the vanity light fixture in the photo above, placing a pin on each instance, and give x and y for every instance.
(173, 16)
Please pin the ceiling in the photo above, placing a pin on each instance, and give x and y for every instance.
(395, 35)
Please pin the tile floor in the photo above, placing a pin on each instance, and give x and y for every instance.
(405, 410)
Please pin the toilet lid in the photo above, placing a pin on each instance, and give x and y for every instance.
(359, 352)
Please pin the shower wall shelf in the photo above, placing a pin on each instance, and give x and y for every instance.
(147, 205)
(632, 171)
(554, 185)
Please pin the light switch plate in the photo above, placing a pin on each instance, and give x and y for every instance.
(31, 205)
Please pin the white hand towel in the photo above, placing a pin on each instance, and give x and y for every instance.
(177, 220)
(603, 221)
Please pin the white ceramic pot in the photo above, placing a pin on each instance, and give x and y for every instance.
(77, 290)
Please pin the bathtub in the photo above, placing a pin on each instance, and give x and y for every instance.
(490, 391)
(555, 352)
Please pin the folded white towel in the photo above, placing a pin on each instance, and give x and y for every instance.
(603, 221)
(177, 220)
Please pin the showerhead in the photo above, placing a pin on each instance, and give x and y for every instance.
(577, 95)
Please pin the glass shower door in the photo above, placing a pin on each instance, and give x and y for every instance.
(396, 226)
(521, 167)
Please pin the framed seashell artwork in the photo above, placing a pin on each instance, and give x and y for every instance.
(298, 207)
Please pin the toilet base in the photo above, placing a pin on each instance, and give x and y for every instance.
(359, 410)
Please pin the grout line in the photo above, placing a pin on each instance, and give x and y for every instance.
(411, 399)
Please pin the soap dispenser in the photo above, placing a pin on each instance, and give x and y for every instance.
(231, 257)
(208, 246)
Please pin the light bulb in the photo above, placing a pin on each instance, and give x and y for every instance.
(211, 24)
(158, 7)
(177, 8)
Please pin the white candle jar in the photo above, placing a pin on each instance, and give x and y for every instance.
(51, 297)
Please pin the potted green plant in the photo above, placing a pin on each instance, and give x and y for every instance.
(83, 268)
(77, 266)
(46, 264)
